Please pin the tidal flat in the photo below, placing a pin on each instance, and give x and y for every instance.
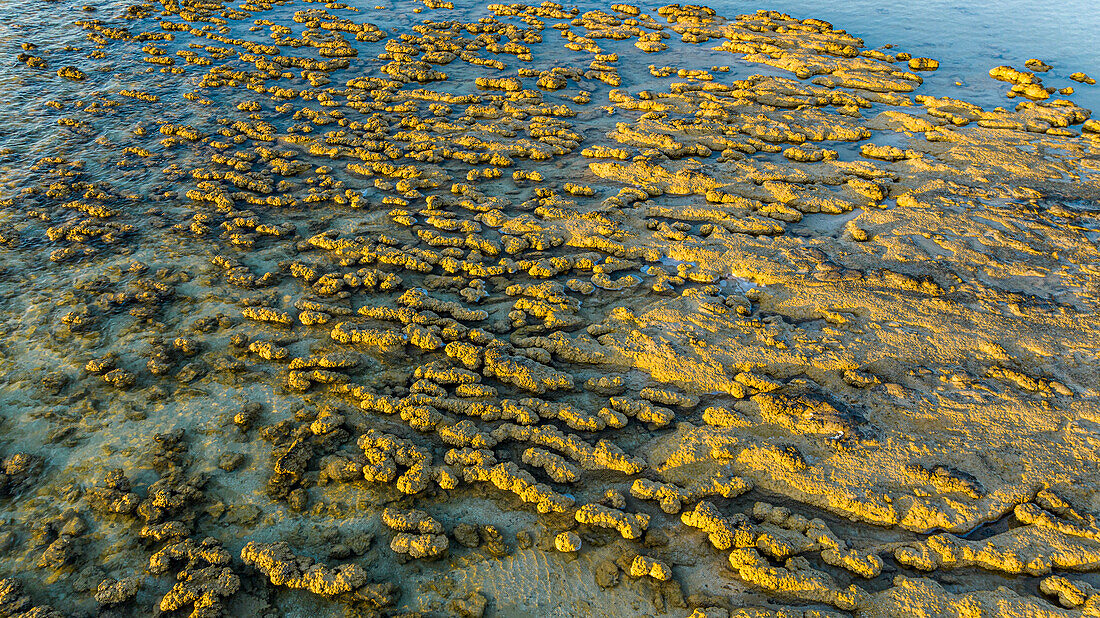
(463, 309)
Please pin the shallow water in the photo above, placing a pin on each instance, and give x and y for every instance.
(969, 38)
(126, 312)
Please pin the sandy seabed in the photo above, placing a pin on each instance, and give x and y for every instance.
(510, 310)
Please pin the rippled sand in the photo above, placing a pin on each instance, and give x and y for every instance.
(515, 310)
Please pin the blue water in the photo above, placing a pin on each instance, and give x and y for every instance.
(969, 38)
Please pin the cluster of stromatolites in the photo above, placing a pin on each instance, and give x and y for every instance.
(425, 310)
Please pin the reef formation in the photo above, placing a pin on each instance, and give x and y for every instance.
(512, 309)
